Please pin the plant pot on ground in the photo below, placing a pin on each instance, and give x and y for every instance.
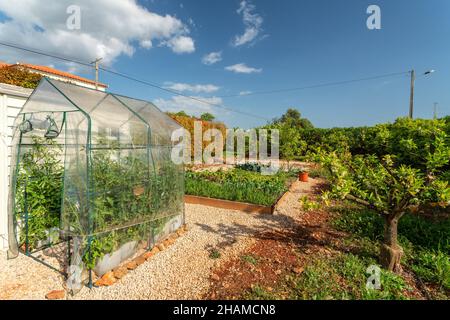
(303, 176)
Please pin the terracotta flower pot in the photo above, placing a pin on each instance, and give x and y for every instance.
(303, 176)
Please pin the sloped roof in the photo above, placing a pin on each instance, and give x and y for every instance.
(59, 73)
(52, 71)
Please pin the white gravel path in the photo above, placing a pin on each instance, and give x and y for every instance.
(25, 278)
(181, 271)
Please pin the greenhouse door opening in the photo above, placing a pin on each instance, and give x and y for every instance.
(92, 181)
(39, 180)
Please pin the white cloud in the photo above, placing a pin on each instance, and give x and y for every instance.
(108, 29)
(147, 44)
(242, 68)
(252, 21)
(196, 88)
(244, 93)
(212, 58)
(190, 106)
(181, 44)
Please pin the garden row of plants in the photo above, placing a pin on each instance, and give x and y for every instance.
(244, 183)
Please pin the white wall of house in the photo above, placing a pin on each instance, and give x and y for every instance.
(12, 98)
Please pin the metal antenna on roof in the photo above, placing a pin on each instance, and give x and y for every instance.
(95, 62)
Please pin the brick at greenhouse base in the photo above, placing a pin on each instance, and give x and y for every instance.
(111, 277)
(148, 255)
(139, 260)
(131, 265)
(120, 272)
(107, 279)
(55, 295)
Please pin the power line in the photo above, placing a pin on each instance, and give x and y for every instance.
(328, 84)
(129, 77)
(175, 92)
(46, 54)
(123, 75)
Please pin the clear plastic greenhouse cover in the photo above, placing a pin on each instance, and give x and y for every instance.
(91, 174)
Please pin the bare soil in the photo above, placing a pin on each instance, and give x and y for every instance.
(279, 254)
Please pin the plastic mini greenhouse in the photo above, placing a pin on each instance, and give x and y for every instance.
(91, 175)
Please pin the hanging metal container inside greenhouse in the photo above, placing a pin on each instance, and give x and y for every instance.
(91, 175)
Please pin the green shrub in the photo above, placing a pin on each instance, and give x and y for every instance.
(359, 222)
(308, 205)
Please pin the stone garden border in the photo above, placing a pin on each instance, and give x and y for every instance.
(118, 273)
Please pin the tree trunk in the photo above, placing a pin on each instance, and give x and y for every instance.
(391, 253)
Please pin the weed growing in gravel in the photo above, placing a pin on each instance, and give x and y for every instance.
(214, 254)
(250, 259)
(308, 205)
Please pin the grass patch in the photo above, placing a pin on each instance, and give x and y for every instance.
(344, 278)
(238, 185)
(432, 267)
(318, 172)
(419, 231)
(259, 293)
(424, 241)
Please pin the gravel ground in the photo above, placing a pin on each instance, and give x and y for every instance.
(180, 272)
(25, 278)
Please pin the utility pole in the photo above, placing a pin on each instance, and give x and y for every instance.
(435, 111)
(411, 97)
(95, 62)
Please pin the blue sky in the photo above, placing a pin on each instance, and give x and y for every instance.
(297, 43)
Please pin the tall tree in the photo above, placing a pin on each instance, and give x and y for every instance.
(207, 117)
(293, 118)
(392, 185)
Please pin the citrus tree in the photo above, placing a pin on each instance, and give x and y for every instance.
(390, 187)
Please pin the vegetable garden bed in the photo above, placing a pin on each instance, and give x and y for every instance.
(238, 189)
